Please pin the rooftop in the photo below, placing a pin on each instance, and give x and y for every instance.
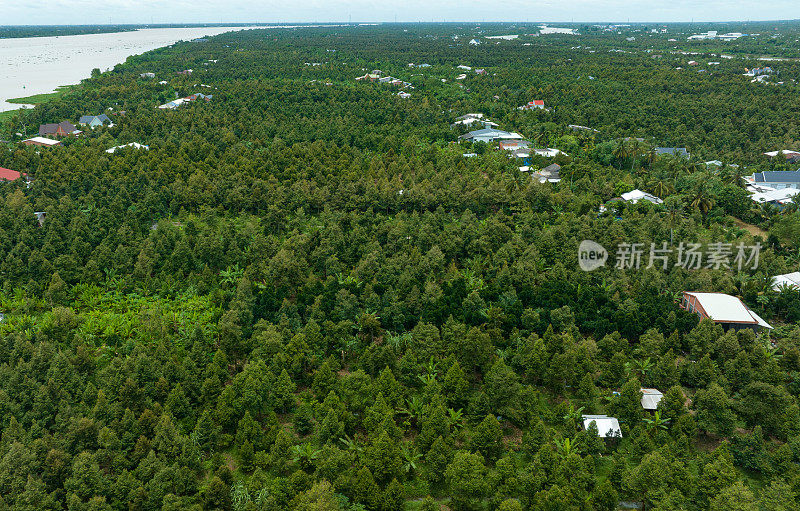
(606, 426)
(777, 176)
(724, 308)
(651, 398)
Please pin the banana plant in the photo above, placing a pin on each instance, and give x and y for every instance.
(573, 413)
(566, 447)
(304, 455)
(455, 418)
(414, 409)
(410, 459)
(351, 444)
(656, 422)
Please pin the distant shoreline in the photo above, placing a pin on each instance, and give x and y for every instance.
(23, 31)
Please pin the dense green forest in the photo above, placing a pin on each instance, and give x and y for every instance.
(303, 296)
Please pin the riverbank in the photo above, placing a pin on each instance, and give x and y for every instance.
(35, 65)
(38, 99)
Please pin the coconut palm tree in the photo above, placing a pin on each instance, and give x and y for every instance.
(620, 151)
(702, 198)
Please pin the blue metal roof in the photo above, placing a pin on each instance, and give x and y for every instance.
(778, 176)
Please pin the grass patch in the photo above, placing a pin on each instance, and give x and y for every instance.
(6, 116)
(41, 98)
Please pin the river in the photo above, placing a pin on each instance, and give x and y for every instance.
(37, 65)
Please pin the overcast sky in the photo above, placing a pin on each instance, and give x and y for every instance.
(42, 12)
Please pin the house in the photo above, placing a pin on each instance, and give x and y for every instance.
(461, 77)
(607, 427)
(465, 68)
(369, 77)
(550, 152)
(489, 135)
(61, 129)
(172, 105)
(673, 151)
(147, 75)
(94, 120)
(185, 72)
(651, 398)
(404, 95)
(522, 152)
(41, 141)
(790, 280)
(480, 72)
(578, 127)
(134, 145)
(758, 71)
(725, 310)
(40, 216)
(536, 104)
(790, 156)
(635, 196)
(12, 175)
(549, 174)
(777, 179)
(486, 123)
(512, 145)
(777, 197)
(469, 116)
(474, 42)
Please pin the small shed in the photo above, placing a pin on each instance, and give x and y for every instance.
(651, 398)
(607, 427)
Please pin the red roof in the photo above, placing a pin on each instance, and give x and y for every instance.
(538, 102)
(8, 174)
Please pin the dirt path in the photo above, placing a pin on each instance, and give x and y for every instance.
(752, 229)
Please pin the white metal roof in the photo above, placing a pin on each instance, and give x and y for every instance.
(43, 140)
(651, 398)
(606, 426)
(783, 196)
(727, 309)
(135, 145)
(789, 279)
(635, 196)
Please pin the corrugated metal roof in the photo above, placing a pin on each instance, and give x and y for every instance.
(606, 426)
(651, 398)
(727, 309)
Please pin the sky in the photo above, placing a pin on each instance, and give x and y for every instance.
(71, 12)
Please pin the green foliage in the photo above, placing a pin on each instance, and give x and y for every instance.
(303, 296)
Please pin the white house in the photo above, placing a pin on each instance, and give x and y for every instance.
(474, 42)
(725, 310)
(635, 196)
(778, 197)
(490, 135)
(777, 179)
(791, 280)
(607, 427)
(134, 145)
(651, 398)
(550, 152)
